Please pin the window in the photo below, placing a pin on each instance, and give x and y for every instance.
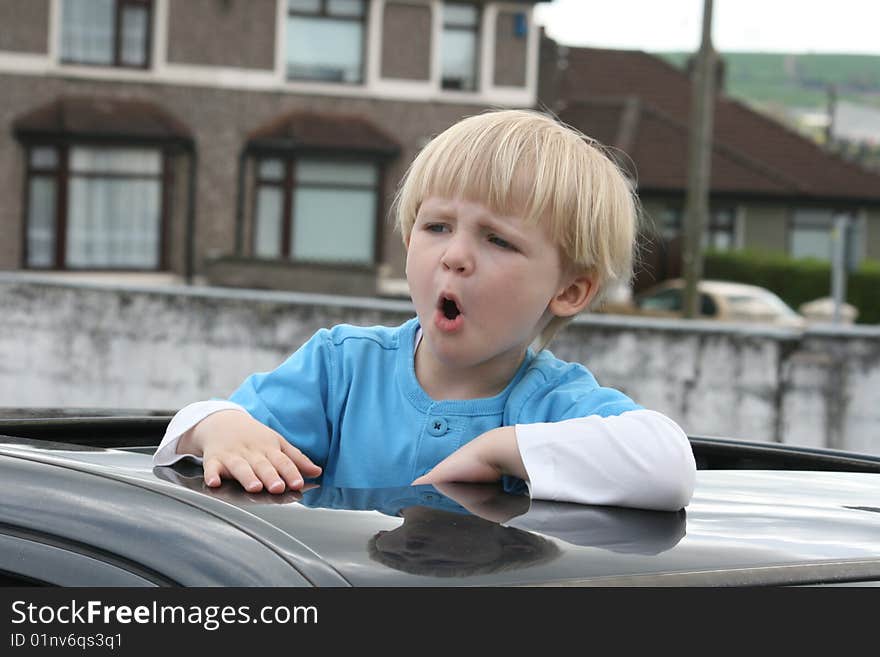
(718, 234)
(460, 46)
(812, 236)
(106, 32)
(666, 300)
(316, 210)
(325, 40)
(672, 301)
(94, 208)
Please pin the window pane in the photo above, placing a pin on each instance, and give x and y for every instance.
(722, 218)
(461, 15)
(332, 225)
(708, 307)
(854, 239)
(811, 243)
(116, 160)
(87, 31)
(44, 158)
(336, 173)
(816, 218)
(41, 222)
(324, 49)
(313, 6)
(113, 222)
(267, 237)
(133, 48)
(717, 239)
(670, 223)
(345, 7)
(271, 169)
(459, 57)
(665, 300)
(811, 234)
(722, 241)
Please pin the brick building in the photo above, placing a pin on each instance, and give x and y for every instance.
(254, 143)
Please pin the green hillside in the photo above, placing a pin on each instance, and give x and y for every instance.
(797, 80)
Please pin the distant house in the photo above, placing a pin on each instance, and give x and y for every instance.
(771, 188)
(247, 142)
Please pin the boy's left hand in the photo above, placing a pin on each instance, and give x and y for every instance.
(486, 458)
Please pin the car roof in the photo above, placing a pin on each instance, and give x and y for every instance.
(742, 527)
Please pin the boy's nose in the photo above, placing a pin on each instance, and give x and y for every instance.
(458, 258)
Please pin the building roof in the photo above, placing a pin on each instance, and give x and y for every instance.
(655, 147)
(641, 104)
(101, 119)
(314, 131)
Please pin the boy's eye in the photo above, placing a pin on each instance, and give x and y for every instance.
(435, 228)
(501, 242)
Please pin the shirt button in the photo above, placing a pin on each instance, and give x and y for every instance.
(437, 426)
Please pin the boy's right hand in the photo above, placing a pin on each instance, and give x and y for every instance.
(233, 445)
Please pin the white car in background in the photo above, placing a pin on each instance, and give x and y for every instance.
(721, 300)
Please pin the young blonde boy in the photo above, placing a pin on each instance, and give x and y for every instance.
(513, 223)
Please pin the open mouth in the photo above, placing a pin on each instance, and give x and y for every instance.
(449, 308)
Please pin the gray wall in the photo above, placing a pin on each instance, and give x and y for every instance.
(90, 345)
(766, 227)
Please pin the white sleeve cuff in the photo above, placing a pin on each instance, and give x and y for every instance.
(639, 459)
(184, 420)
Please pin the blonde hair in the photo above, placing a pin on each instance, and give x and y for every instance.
(528, 164)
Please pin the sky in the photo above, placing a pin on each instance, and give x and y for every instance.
(792, 26)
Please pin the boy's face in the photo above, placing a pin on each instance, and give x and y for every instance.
(481, 283)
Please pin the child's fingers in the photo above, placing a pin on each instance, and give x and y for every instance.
(213, 470)
(458, 467)
(286, 470)
(268, 474)
(239, 469)
(300, 460)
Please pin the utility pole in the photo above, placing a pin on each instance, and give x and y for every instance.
(831, 92)
(839, 265)
(699, 161)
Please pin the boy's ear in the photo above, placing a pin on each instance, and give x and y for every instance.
(574, 297)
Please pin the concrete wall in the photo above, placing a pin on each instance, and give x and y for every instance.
(90, 345)
(270, 274)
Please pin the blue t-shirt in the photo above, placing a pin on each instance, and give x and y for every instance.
(350, 400)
